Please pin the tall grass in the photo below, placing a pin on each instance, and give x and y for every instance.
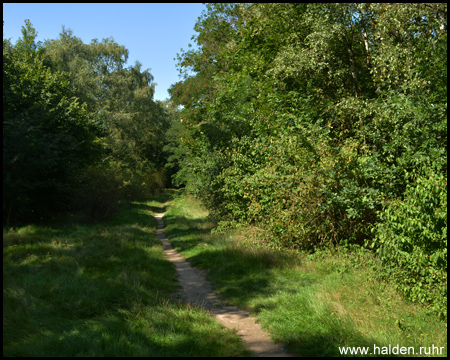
(78, 289)
(312, 303)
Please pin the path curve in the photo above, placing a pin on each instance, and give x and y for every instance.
(197, 290)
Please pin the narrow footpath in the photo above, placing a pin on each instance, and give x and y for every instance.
(197, 290)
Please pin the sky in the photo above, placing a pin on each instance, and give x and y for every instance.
(152, 33)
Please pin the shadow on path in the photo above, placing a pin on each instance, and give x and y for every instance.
(197, 290)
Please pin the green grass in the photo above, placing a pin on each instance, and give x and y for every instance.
(313, 304)
(77, 289)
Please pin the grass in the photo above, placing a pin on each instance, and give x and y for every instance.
(78, 289)
(313, 304)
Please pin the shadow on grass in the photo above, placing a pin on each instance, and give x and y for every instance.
(239, 274)
(150, 208)
(133, 213)
(244, 276)
(99, 338)
(159, 198)
(165, 196)
(182, 237)
(99, 290)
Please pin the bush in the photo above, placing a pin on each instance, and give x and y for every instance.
(98, 193)
(411, 240)
(140, 184)
(100, 189)
(305, 194)
(47, 135)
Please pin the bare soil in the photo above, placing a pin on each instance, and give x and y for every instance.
(196, 290)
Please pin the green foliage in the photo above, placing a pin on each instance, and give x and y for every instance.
(47, 136)
(94, 68)
(411, 240)
(98, 193)
(100, 189)
(306, 119)
(314, 303)
(120, 99)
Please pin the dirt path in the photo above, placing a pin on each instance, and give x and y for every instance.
(197, 290)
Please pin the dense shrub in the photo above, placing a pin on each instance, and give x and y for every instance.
(411, 240)
(313, 120)
(101, 188)
(140, 183)
(47, 134)
(98, 193)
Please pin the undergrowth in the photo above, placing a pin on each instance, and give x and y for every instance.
(312, 303)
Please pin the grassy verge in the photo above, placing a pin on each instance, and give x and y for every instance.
(76, 289)
(314, 304)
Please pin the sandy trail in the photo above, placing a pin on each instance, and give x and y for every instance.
(197, 290)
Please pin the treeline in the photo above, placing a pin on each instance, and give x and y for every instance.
(325, 124)
(80, 131)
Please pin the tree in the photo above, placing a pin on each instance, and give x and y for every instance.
(47, 136)
(317, 120)
(119, 98)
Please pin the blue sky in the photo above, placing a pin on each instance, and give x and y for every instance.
(152, 33)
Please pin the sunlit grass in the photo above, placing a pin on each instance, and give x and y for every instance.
(314, 304)
(73, 289)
